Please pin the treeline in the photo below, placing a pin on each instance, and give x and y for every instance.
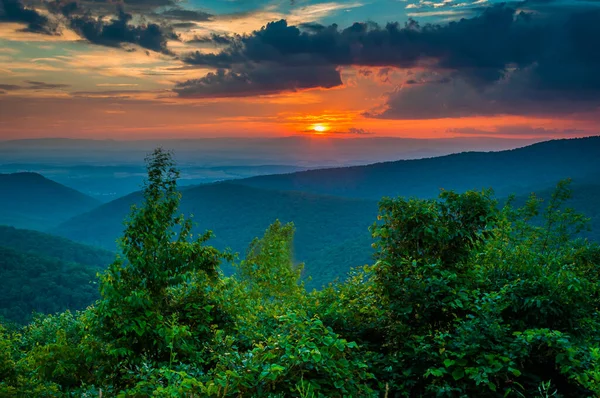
(466, 299)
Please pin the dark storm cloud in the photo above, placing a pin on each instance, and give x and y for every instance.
(113, 33)
(104, 7)
(505, 59)
(119, 30)
(455, 45)
(259, 80)
(480, 47)
(217, 40)
(15, 11)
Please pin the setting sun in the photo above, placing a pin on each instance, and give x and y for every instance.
(320, 128)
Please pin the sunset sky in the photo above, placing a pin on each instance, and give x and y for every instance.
(225, 68)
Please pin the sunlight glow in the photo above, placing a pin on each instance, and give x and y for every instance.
(319, 128)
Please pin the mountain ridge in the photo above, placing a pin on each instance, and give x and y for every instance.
(30, 200)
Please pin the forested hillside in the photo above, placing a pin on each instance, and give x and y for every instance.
(332, 231)
(29, 200)
(517, 171)
(35, 283)
(236, 214)
(46, 274)
(466, 298)
(57, 247)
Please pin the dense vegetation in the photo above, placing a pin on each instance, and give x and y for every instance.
(34, 283)
(46, 274)
(466, 298)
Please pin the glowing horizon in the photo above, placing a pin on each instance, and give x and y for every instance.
(277, 70)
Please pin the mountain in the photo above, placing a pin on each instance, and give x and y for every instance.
(237, 214)
(332, 231)
(44, 273)
(299, 150)
(108, 182)
(518, 171)
(29, 200)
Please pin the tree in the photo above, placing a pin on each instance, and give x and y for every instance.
(487, 302)
(157, 302)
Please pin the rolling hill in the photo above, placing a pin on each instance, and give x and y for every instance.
(531, 168)
(29, 200)
(237, 214)
(44, 273)
(332, 231)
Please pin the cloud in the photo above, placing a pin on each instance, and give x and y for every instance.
(478, 46)
(181, 14)
(104, 7)
(349, 131)
(259, 79)
(33, 85)
(501, 60)
(96, 29)
(119, 30)
(9, 87)
(15, 11)
(216, 39)
(518, 131)
(357, 131)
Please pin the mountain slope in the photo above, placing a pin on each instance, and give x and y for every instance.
(29, 200)
(514, 171)
(237, 214)
(43, 244)
(45, 273)
(30, 282)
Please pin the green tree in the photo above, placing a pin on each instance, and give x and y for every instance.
(487, 302)
(157, 302)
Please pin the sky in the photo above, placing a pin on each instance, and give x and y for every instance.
(147, 69)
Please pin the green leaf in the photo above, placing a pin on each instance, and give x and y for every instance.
(449, 362)
(458, 374)
(316, 355)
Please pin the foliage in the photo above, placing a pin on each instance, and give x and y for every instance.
(156, 300)
(36, 283)
(482, 302)
(46, 274)
(47, 245)
(466, 299)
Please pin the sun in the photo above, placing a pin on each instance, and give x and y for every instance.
(319, 128)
